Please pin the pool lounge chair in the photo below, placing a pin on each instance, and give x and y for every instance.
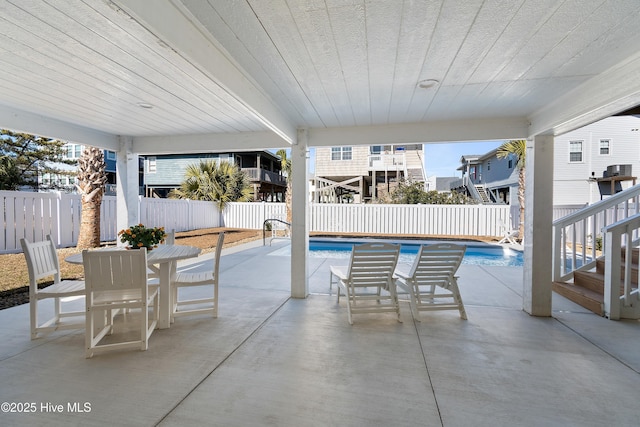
(431, 282)
(369, 273)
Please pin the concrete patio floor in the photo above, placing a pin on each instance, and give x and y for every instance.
(272, 360)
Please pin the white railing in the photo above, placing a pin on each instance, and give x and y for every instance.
(576, 236)
(388, 162)
(622, 234)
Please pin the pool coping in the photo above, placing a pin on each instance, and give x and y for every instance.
(416, 241)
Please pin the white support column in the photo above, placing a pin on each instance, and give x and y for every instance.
(538, 217)
(127, 200)
(300, 216)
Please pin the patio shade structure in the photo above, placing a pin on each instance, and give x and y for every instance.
(197, 76)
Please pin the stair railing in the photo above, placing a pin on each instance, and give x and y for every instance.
(618, 237)
(576, 236)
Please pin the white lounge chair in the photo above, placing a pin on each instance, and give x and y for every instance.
(369, 273)
(42, 262)
(431, 283)
(205, 278)
(117, 280)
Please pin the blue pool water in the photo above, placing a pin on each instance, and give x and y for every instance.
(475, 254)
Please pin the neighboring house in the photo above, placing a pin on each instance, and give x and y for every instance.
(441, 184)
(67, 183)
(363, 173)
(587, 162)
(487, 178)
(162, 173)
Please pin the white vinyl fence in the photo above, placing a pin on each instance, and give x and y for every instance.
(34, 215)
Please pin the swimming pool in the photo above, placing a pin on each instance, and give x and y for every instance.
(477, 253)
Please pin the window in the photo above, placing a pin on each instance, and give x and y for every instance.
(604, 147)
(151, 164)
(111, 155)
(376, 149)
(341, 153)
(77, 151)
(489, 165)
(510, 163)
(575, 151)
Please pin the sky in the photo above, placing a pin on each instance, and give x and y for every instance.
(443, 159)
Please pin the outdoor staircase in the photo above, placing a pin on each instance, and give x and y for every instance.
(587, 288)
(415, 175)
(484, 197)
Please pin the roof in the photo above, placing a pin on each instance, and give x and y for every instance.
(189, 75)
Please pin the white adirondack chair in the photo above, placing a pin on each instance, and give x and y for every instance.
(117, 280)
(206, 305)
(431, 282)
(369, 273)
(42, 263)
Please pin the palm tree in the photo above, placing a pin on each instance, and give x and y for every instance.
(285, 165)
(9, 174)
(92, 178)
(518, 149)
(219, 182)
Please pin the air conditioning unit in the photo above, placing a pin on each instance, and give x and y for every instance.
(619, 170)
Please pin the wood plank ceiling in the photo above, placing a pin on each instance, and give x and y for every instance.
(211, 67)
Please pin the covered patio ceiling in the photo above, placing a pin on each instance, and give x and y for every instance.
(203, 75)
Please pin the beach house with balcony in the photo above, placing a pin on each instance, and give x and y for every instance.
(162, 173)
(362, 174)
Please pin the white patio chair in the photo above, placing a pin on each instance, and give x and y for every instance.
(370, 271)
(508, 235)
(431, 283)
(42, 262)
(117, 280)
(207, 305)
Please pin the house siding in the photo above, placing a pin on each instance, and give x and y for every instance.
(170, 169)
(571, 179)
(358, 165)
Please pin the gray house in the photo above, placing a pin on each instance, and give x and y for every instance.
(162, 173)
(487, 178)
(587, 164)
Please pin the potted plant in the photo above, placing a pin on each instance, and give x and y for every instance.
(139, 236)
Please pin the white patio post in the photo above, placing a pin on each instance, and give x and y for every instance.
(299, 216)
(538, 217)
(127, 201)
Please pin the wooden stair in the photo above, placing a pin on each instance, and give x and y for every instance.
(587, 287)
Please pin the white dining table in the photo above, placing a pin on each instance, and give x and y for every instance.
(160, 260)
